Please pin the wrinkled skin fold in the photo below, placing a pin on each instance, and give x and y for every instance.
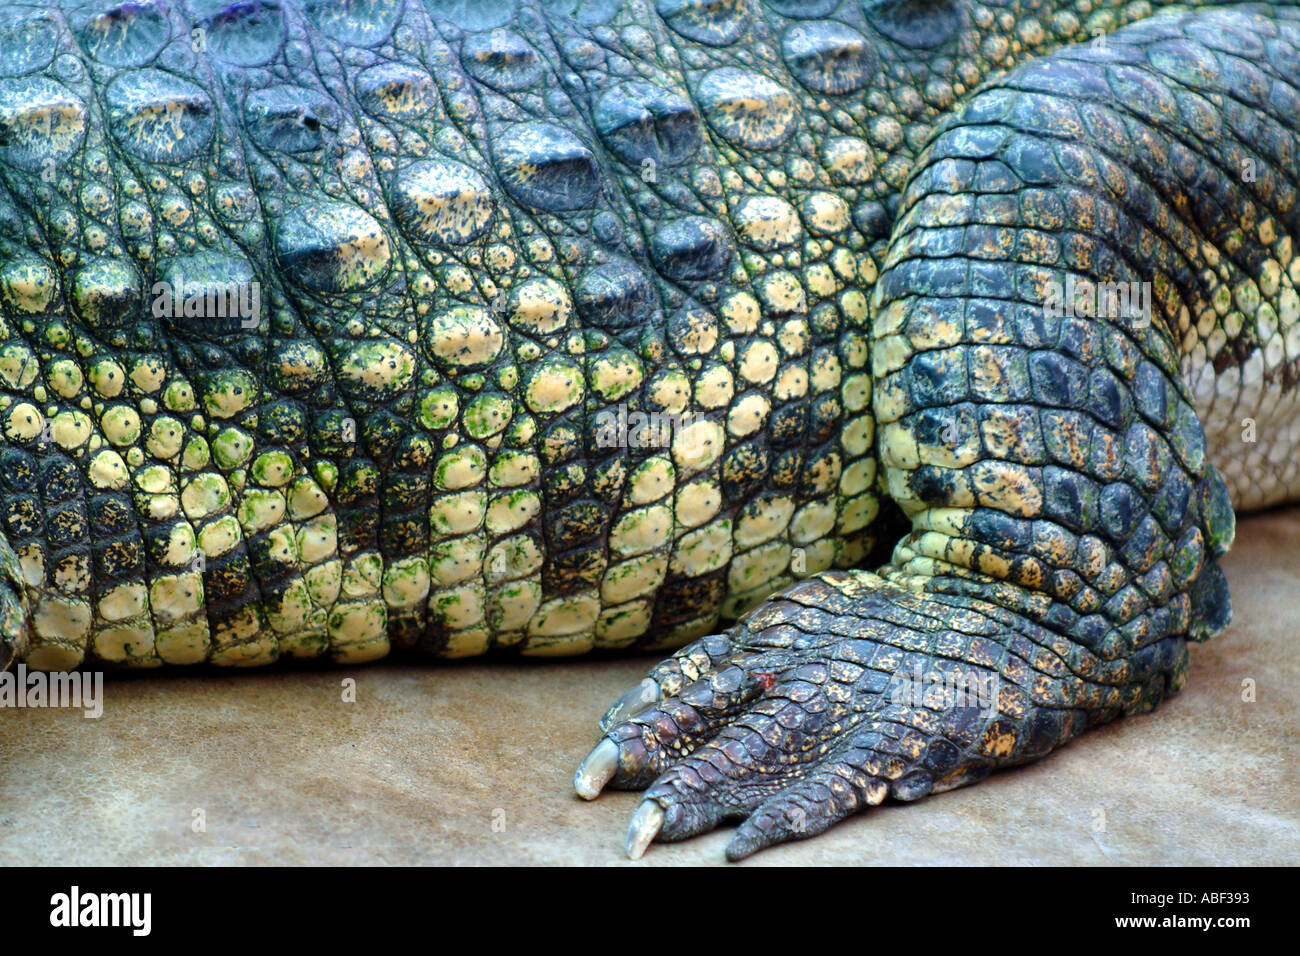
(334, 330)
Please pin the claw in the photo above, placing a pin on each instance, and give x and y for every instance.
(596, 770)
(645, 826)
(632, 703)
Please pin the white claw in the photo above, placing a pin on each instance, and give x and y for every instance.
(596, 770)
(645, 826)
(632, 703)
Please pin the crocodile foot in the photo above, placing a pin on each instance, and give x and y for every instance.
(844, 690)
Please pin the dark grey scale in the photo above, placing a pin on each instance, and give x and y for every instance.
(711, 22)
(1211, 604)
(939, 378)
(249, 33)
(803, 9)
(362, 23)
(1056, 381)
(608, 230)
(652, 130)
(692, 248)
(386, 82)
(545, 167)
(1121, 507)
(123, 35)
(29, 39)
(198, 289)
(107, 296)
(1215, 194)
(293, 112)
(502, 60)
(311, 258)
(873, 220)
(27, 148)
(291, 126)
(290, 120)
(617, 298)
(158, 117)
(829, 57)
(641, 122)
(480, 15)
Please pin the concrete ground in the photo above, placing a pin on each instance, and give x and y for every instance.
(472, 764)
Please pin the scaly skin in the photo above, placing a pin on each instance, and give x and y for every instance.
(478, 231)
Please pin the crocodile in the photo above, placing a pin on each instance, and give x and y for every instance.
(897, 365)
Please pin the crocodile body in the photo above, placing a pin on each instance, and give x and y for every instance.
(335, 329)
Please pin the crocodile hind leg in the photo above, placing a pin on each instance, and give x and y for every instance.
(1073, 249)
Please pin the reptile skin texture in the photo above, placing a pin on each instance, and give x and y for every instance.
(900, 362)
